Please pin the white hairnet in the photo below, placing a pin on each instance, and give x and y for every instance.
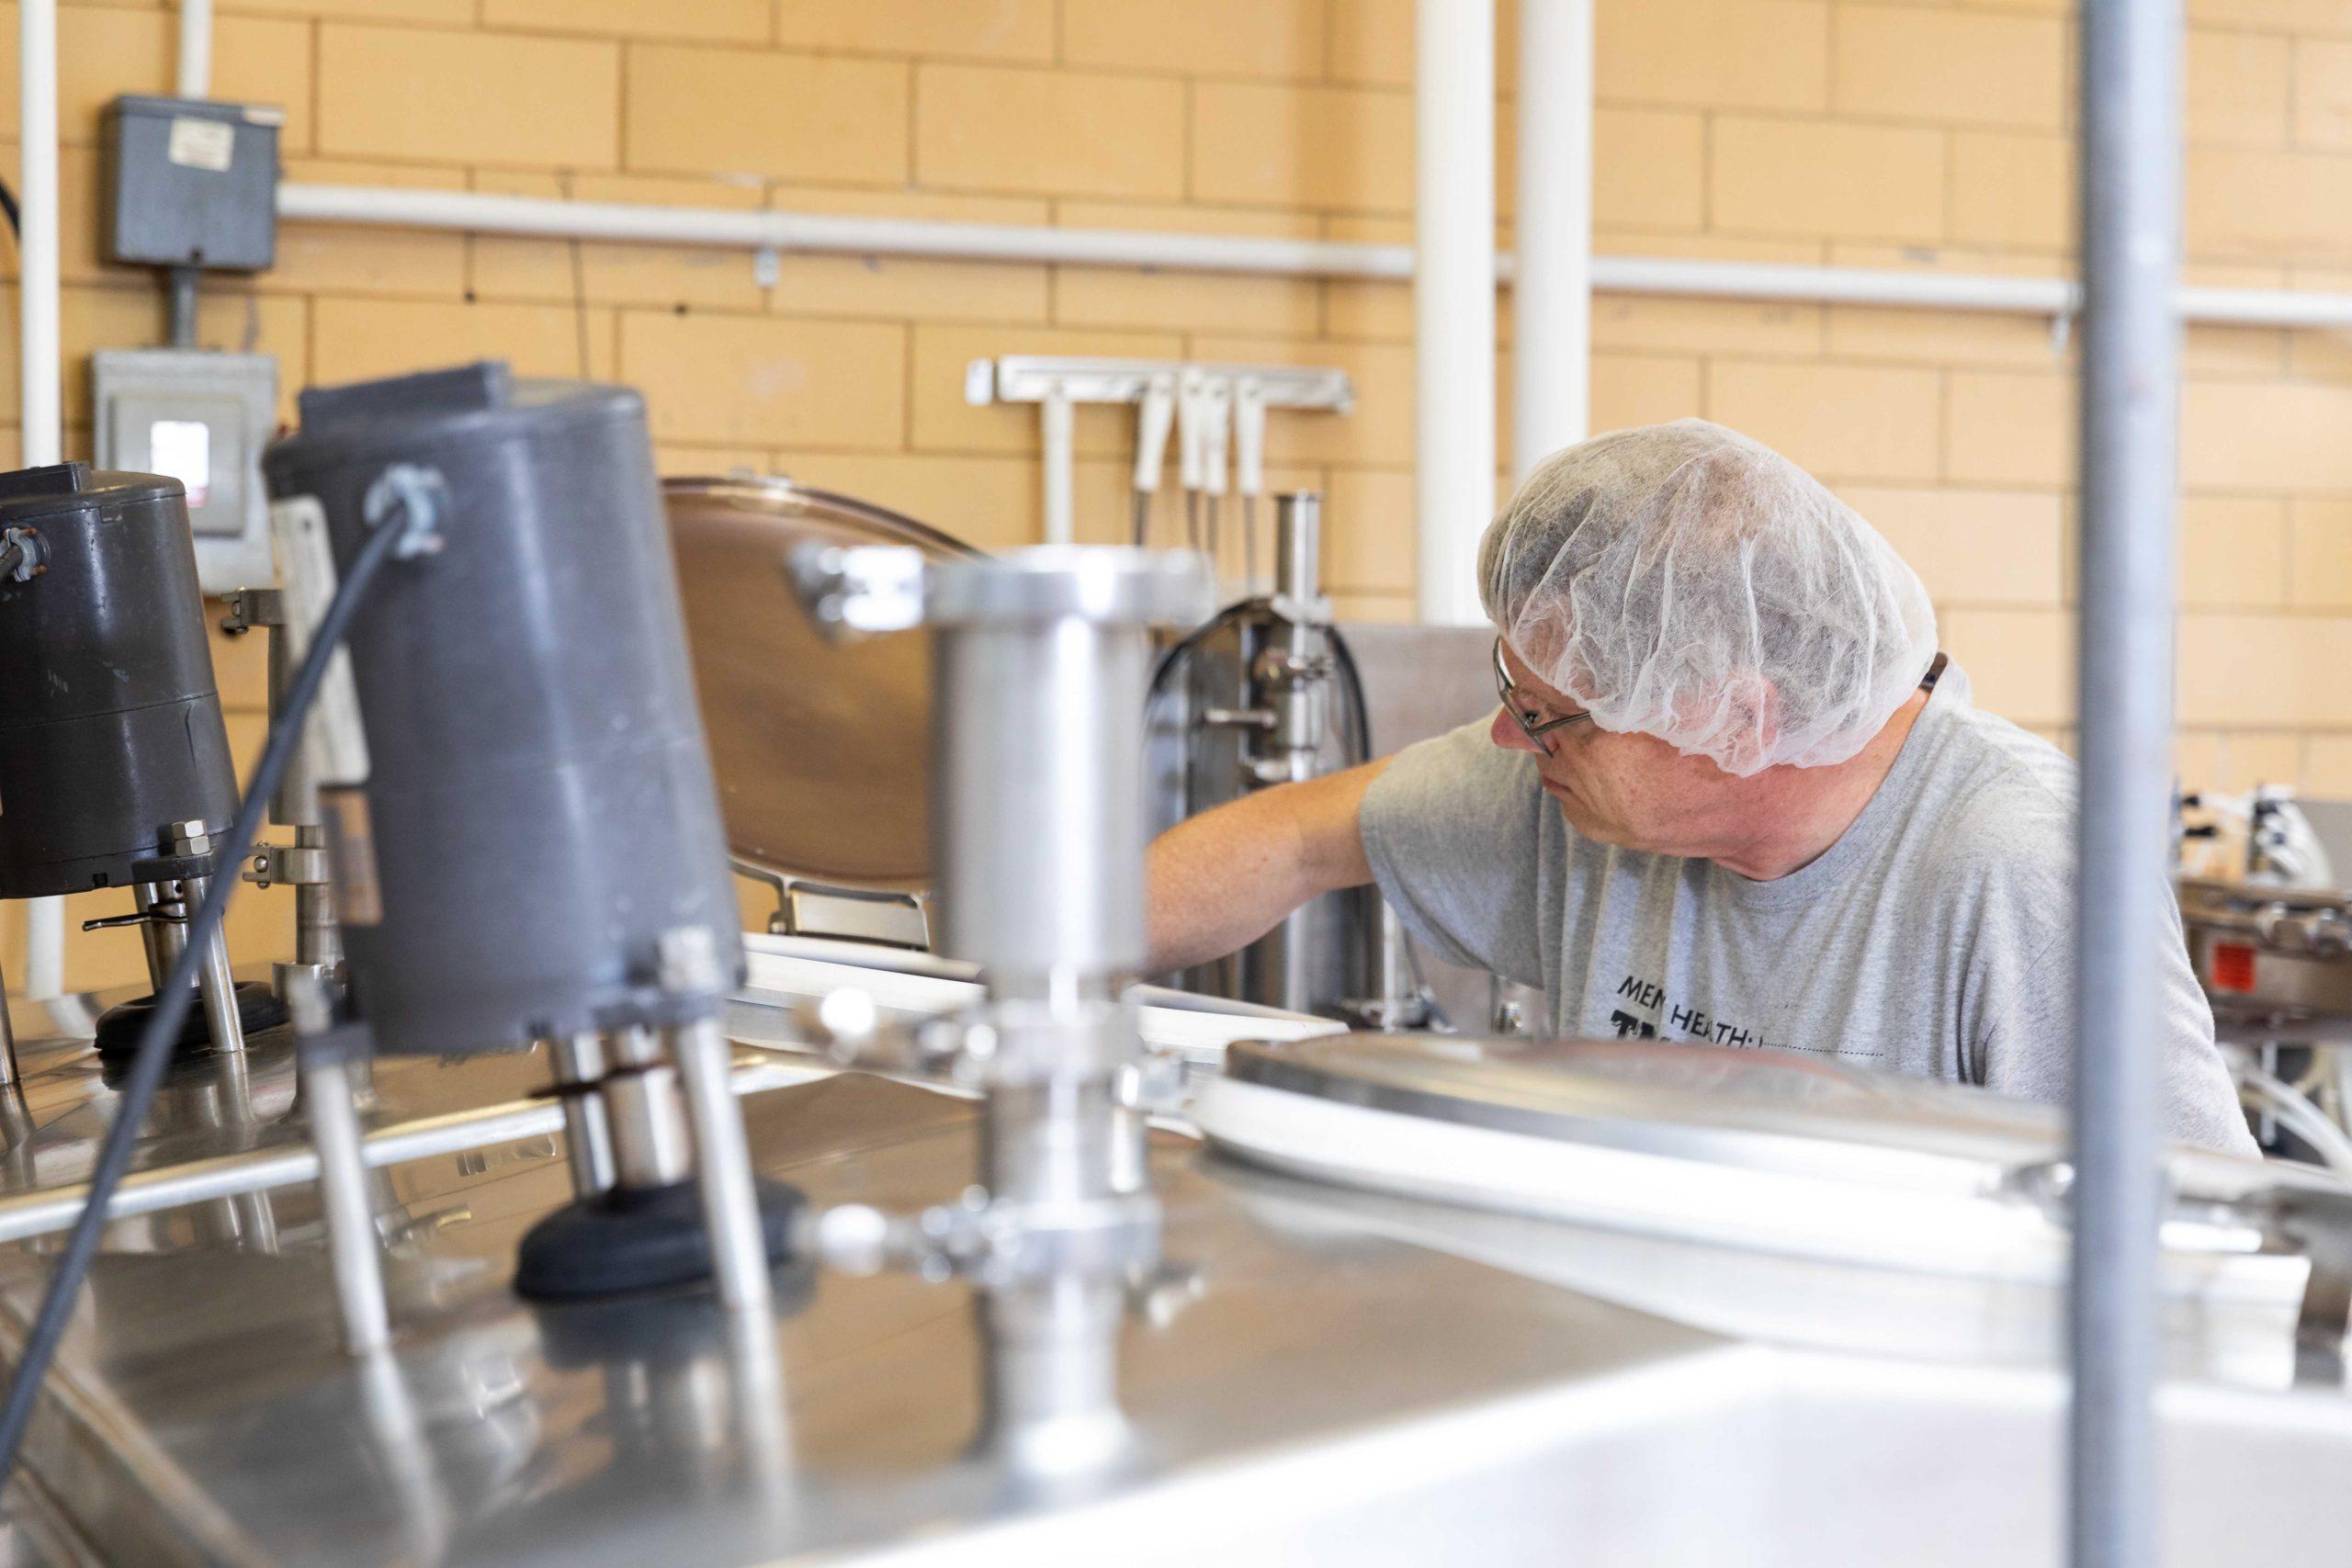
(1687, 583)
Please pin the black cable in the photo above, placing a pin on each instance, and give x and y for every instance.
(8, 205)
(177, 994)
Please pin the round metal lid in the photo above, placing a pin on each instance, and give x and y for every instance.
(1764, 1109)
(823, 749)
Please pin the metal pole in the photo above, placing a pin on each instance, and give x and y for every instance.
(1454, 300)
(731, 1201)
(1552, 309)
(7, 1035)
(353, 1246)
(40, 361)
(2130, 159)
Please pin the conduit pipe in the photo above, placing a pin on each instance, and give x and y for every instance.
(2130, 387)
(195, 49)
(1453, 301)
(826, 234)
(1552, 309)
(39, 365)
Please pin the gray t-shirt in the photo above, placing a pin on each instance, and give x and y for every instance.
(1933, 938)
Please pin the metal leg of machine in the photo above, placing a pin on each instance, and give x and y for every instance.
(353, 1247)
(730, 1202)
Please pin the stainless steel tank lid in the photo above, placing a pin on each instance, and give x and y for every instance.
(1767, 1108)
(823, 749)
(1763, 1109)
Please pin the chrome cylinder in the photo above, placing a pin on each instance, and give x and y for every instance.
(1050, 1385)
(1298, 544)
(579, 1061)
(643, 1113)
(318, 944)
(1037, 813)
(164, 931)
(1038, 833)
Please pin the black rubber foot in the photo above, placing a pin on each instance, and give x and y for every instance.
(640, 1240)
(120, 1026)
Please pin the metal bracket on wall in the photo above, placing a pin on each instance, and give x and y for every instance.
(1057, 383)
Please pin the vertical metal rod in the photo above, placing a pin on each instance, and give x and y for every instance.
(2130, 162)
(40, 369)
(182, 285)
(731, 1203)
(352, 1244)
(7, 1034)
(580, 1059)
(161, 936)
(214, 980)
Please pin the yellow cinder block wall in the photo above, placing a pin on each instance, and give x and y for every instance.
(1881, 133)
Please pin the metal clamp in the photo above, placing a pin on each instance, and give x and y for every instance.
(417, 496)
(297, 866)
(23, 556)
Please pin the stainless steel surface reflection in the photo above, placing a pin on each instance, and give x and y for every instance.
(823, 749)
(213, 1103)
(204, 1412)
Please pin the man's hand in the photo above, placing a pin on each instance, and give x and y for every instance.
(1226, 877)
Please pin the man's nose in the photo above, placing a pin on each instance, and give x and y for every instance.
(1506, 733)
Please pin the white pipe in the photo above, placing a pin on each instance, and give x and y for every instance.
(195, 49)
(41, 368)
(1552, 309)
(1454, 300)
(823, 234)
(1059, 441)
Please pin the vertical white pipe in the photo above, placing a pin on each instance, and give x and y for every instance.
(195, 49)
(1552, 305)
(1060, 442)
(1454, 299)
(39, 366)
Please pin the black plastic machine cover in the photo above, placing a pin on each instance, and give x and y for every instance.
(540, 800)
(111, 725)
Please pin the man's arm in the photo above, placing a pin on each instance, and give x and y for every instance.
(1223, 879)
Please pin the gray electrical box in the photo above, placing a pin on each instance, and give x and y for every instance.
(202, 418)
(193, 183)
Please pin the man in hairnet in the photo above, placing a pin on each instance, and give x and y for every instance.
(1732, 795)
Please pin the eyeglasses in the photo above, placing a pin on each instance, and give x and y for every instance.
(1531, 725)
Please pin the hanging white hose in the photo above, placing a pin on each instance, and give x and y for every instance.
(2296, 1112)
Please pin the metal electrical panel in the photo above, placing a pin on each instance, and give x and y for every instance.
(192, 182)
(203, 418)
